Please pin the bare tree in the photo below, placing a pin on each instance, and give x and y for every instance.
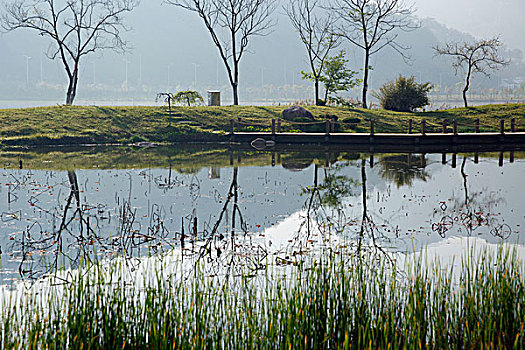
(231, 24)
(479, 57)
(373, 25)
(76, 27)
(315, 32)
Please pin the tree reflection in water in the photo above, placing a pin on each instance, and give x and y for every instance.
(76, 238)
(471, 211)
(336, 209)
(327, 215)
(403, 169)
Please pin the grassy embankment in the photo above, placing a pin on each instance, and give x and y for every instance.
(66, 125)
(340, 301)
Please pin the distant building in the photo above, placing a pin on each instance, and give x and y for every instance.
(513, 83)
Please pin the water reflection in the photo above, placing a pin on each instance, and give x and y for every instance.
(403, 169)
(472, 211)
(223, 214)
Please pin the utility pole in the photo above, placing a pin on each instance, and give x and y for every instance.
(169, 72)
(27, 68)
(41, 70)
(127, 63)
(140, 69)
(195, 65)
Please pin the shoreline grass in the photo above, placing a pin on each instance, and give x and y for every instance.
(341, 300)
(69, 125)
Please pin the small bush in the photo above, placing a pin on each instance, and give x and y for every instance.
(403, 95)
(348, 103)
(189, 98)
(351, 120)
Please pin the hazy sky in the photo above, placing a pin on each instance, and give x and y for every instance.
(481, 18)
(172, 49)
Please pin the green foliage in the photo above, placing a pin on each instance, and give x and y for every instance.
(403, 95)
(188, 98)
(307, 76)
(343, 102)
(336, 76)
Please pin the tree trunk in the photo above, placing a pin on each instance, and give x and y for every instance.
(72, 88)
(365, 78)
(465, 96)
(467, 85)
(235, 87)
(71, 93)
(317, 92)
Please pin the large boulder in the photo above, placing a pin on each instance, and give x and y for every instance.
(297, 112)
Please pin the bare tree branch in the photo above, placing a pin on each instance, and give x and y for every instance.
(231, 24)
(478, 57)
(373, 25)
(76, 28)
(316, 33)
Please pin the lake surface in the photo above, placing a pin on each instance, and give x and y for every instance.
(60, 207)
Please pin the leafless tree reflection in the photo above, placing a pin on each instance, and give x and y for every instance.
(75, 236)
(471, 212)
(327, 214)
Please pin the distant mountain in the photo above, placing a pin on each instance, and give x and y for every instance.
(179, 55)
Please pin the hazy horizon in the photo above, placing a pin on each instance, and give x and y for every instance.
(172, 50)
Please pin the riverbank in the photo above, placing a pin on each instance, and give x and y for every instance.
(73, 125)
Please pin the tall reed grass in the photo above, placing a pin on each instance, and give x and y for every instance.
(338, 300)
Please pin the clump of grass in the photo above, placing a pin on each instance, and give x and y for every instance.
(339, 300)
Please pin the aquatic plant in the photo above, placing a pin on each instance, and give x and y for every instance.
(340, 299)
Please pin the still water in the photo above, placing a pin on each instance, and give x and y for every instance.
(61, 207)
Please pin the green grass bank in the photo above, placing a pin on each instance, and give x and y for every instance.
(69, 125)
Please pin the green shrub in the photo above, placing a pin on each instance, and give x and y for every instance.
(352, 120)
(403, 95)
(189, 98)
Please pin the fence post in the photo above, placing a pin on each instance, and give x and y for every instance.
(231, 126)
(279, 125)
(410, 126)
(424, 127)
(455, 127)
(477, 125)
(372, 127)
(444, 126)
(332, 124)
(513, 125)
(502, 126)
(327, 127)
(273, 126)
